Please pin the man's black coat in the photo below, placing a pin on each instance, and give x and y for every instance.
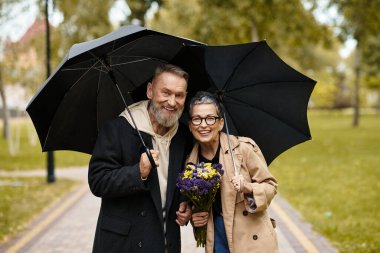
(130, 218)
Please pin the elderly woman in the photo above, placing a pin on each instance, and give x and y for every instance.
(238, 221)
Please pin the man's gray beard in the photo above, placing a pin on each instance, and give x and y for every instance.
(164, 121)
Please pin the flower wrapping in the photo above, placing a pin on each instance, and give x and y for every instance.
(200, 183)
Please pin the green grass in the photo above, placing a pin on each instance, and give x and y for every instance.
(30, 156)
(23, 198)
(334, 180)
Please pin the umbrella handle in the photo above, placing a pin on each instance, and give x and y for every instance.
(229, 145)
(150, 157)
(147, 151)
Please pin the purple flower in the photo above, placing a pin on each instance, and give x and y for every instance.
(200, 187)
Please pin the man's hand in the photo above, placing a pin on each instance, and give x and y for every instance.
(199, 219)
(145, 165)
(183, 214)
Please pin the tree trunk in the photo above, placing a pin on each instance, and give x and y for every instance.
(6, 116)
(378, 103)
(355, 121)
(254, 35)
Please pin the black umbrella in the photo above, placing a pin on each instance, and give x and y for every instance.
(264, 98)
(95, 82)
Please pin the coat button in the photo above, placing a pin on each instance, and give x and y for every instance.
(143, 213)
(140, 244)
(245, 212)
(254, 237)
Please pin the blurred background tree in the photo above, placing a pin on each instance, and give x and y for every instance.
(308, 34)
(5, 15)
(138, 10)
(23, 61)
(361, 22)
(82, 21)
(291, 28)
(371, 68)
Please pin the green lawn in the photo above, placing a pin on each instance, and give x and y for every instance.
(334, 180)
(23, 198)
(29, 155)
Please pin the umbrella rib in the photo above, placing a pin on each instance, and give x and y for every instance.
(108, 68)
(84, 74)
(237, 65)
(122, 74)
(127, 44)
(248, 85)
(233, 121)
(79, 69)
(48, 132)
(101, 68)
(124, 63)
(260, 109)
(92, 67)
(98, 88)
(146, 59)
(119, 64)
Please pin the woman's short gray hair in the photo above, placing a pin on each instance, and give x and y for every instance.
(204, 97)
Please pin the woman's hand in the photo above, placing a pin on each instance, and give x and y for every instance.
(240, 185)
(238, 182)
(199, 219)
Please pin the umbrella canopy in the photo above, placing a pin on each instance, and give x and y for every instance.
(84, 91)
(264, 98)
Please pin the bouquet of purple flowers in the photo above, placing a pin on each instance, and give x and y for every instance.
(200, 183)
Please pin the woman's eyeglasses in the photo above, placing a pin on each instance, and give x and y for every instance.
(210, 120)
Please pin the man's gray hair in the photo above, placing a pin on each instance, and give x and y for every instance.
(161, 68)
(204, 97)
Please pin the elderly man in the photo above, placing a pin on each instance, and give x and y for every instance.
(141, 209)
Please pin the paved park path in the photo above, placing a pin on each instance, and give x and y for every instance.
(69, 225)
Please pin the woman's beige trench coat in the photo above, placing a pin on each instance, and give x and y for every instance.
(247, 230)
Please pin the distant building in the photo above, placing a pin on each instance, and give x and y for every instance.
(17, 100)
(17, 97)
(22, 60)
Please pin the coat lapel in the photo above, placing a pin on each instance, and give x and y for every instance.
(193, 157)
(176, 154)
(153, 183)
(229, 196)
